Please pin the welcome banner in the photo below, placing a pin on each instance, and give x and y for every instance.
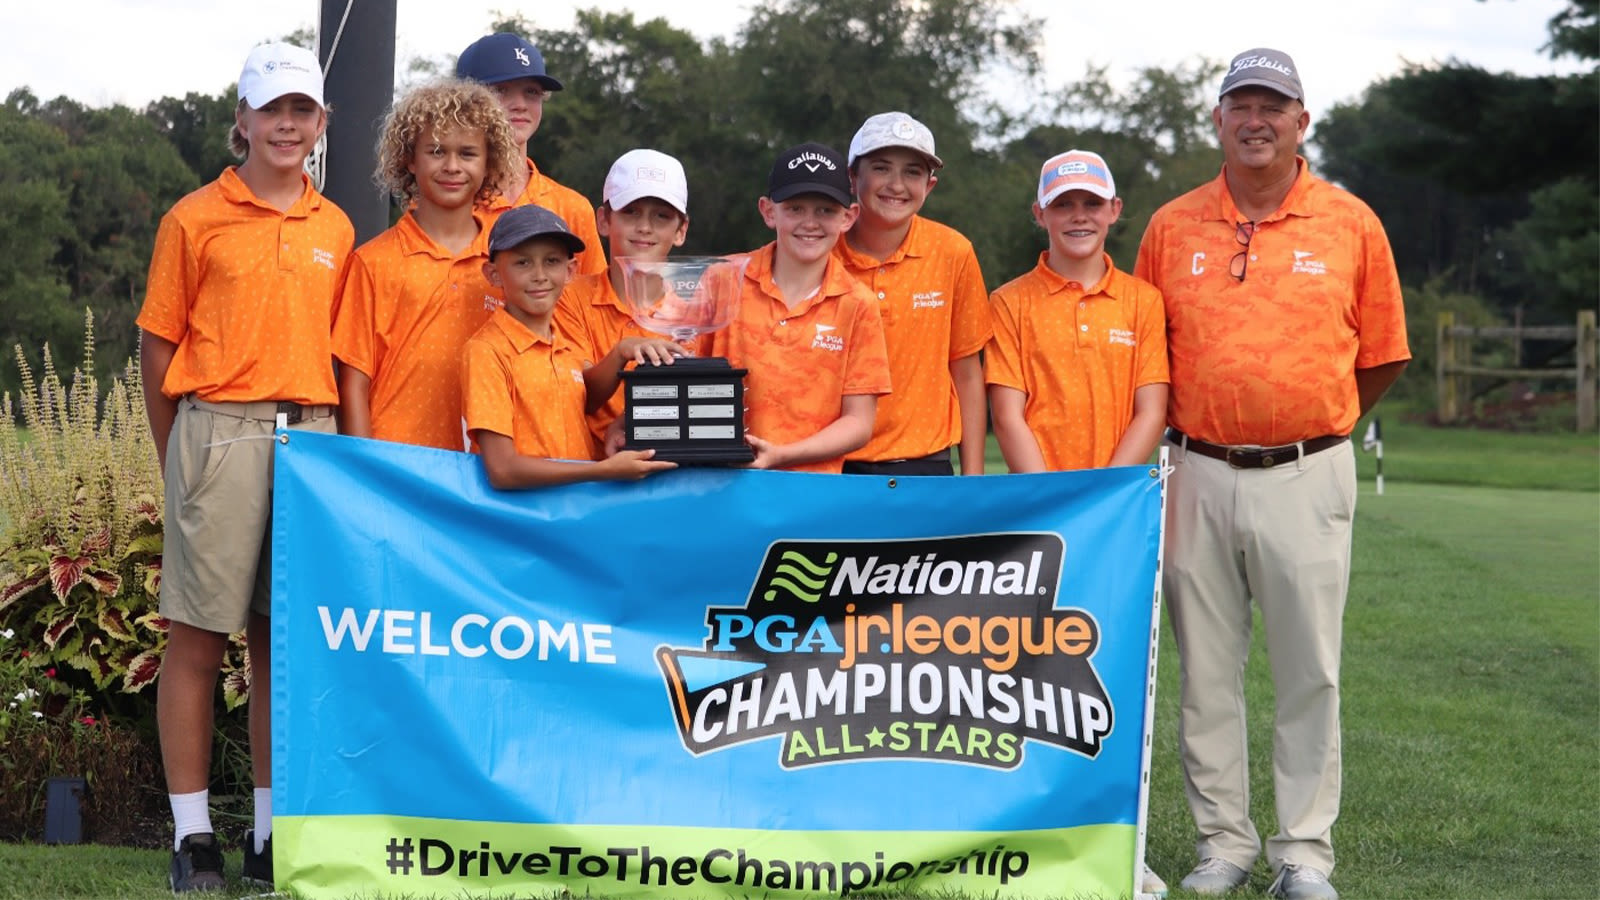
(709, 683)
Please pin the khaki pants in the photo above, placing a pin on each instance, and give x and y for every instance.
(217, 548)
(1280, 536)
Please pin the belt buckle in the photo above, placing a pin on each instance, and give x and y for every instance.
(291, 411)
(1228, 457)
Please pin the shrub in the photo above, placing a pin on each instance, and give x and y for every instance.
(80, 554)
(49, 730)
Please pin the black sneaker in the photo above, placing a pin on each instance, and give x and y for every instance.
(197, 865)
(257, 866)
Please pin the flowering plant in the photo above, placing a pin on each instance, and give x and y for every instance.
(80, 529)
(48, 730)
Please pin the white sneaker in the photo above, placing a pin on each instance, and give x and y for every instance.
(1151, 885)
(1301, 883)
(1214, 875)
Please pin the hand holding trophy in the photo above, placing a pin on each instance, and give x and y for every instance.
(691, 412)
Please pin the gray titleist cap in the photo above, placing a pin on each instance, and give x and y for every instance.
(1266, 68)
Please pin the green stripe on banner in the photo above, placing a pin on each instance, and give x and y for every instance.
(368, 856)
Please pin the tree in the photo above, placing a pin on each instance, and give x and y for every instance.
(1155, 134)
(1431, 150)
(87, 189)
(803, 70)
(34, 223)
(198, 125)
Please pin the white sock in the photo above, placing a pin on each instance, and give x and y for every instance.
(191, 814)
(263, 817)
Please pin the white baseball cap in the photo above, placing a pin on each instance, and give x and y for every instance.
(646, 173)
(892, 129)
(274, 70)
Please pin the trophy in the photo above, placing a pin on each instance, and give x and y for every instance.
(692, 411)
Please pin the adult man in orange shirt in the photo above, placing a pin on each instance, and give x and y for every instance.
(931, 298)
(513, 69)
(1284, 325)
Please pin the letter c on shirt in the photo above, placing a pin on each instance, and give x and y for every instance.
(1194, 266)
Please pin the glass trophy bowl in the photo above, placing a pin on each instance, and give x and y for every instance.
(692, 411)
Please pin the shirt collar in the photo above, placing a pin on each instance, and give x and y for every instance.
(1222, 207)
(234, 190)
(914, 245)
(1108, 283)
(519, 336)
(836, 279)
(413, 240)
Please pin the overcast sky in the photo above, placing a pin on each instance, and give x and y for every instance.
(101, 52)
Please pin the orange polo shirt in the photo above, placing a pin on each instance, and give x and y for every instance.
(571, 206)
(1079, 354)
(935, 309)
(248, 294)
(1271, 360)
(527, 388)
(803, 361)
(595, 319)
(408, 307)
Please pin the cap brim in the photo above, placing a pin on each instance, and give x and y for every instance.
(934, 161)
(573, 242)
(1275, 87)
(262, 96)
(545, 81)
(1097, 190)
(622, 198)
(790, 191)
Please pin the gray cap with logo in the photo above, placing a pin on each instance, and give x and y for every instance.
(1263, 67)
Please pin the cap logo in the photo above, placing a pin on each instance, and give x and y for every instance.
(270, 67)
(1260, 62)
(812, 162)
(522, 56)
(1072, 168)
(904, 130)
(649, 173)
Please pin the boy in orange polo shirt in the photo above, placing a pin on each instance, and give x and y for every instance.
(932, 300)
(523, 380)
(644, 214)
(235, 336)
(416, 292)
(513, 69)
(1077, 369)
(808, 333)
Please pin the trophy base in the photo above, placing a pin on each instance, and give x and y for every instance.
(690, 412)
(703, 456)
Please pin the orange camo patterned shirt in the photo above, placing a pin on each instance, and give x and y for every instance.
(527, 388)
(1079, 354)
(1271, 360)
(803, 361)
(247, 293)
(934, 306)
(571, 206)
(407, 310)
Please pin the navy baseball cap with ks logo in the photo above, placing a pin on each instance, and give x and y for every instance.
(809, 168)
(1263, 67)
(504, 57)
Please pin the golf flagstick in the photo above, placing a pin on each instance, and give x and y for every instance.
(1373, 440)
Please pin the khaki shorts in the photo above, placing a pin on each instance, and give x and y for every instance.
(217, 554)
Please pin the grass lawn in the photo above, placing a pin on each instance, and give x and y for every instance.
(1471, 691)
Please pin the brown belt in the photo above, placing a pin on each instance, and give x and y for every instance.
(1256, 457)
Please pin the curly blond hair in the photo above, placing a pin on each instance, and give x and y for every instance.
(444, 106)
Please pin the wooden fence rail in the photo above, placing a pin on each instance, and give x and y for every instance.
(1455, 369)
